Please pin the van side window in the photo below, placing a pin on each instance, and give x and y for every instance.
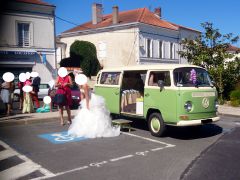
(157, 75)
(110, 78)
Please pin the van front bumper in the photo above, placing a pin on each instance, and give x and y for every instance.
(197, 122)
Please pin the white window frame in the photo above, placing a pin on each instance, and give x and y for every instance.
(172, 50)
(149, 54)
(24, 42)
(160, 49)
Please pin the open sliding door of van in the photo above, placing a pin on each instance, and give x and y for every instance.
(108, 86)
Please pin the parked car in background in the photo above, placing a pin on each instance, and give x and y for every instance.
(76, 96)
(43, 91)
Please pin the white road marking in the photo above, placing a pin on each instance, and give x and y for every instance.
(7, 153)
(21, 169)
(141, 153)
(157, 149)
(48, 174)
(99, 164)
(72, 170)
(61, 173)
(122, 157)
(148, 139)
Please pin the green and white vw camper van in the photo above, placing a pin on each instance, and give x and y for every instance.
(166, 94)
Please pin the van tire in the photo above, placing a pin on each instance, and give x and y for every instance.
(156, 124)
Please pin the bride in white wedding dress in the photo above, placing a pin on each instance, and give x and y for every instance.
(93, 119)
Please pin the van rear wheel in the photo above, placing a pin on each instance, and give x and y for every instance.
(156, 125)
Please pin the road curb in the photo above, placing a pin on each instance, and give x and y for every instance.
(231, 115)
(34, 120)
(29, 121)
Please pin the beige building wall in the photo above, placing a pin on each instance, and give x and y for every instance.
(114, 48)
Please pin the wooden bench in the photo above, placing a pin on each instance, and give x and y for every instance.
(122, 123)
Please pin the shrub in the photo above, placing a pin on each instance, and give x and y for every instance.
(69, 62)
(235, 98)
(83, 54)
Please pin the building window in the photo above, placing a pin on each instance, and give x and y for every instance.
(172, 51)
(23, 34)
(149, 48)
(160, 50)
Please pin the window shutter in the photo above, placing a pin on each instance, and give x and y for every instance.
(23, 34)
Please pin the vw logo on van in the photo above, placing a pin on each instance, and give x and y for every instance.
(205, 102)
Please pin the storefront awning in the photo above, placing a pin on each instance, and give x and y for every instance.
(18, 57)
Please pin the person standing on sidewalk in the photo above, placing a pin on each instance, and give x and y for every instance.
(6, 96)
(27, 97)
(11, 90)
(35, 84)
(63, 95)
(20, 86)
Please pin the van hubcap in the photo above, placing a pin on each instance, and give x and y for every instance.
(155, 125)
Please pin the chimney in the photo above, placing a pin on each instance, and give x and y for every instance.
(115, 19)
(158, 12)
(96, 13)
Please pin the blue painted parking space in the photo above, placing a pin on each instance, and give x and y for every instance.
(60, 137)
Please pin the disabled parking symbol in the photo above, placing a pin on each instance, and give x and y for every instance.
(60, 137)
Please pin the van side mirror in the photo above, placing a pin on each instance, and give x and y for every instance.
(161, 84)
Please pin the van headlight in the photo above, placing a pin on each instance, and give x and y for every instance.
(216, 104)
(188, 106)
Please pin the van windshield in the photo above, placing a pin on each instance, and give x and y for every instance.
(191, 77)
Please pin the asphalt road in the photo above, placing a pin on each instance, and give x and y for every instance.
(43, 151)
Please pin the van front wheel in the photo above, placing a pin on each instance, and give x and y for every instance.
(156, 124)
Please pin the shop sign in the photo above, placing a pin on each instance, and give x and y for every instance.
(17, 53)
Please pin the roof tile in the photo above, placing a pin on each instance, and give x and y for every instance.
(142, 15)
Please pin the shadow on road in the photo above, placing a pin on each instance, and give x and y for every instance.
(194, 132)
(184, 133)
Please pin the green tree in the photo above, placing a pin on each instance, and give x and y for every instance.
(83, 54)
(209, 50)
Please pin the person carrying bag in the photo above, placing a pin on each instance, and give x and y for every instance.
(63, 96)
(60, 97)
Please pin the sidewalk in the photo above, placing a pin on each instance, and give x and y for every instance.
(54, 116)
(229, 111)
(31, 118)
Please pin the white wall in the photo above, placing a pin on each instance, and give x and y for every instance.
(41, 30)
(114, 48)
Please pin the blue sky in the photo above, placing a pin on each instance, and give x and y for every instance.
(224, 14)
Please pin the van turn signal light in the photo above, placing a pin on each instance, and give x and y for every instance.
(184, 117)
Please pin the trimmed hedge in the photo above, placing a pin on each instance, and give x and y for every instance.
(235, 98)
(83, 54)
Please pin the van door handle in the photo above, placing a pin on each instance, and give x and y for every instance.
(117, 93)
(146, 94)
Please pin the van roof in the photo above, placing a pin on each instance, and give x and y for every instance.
(149, 67)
